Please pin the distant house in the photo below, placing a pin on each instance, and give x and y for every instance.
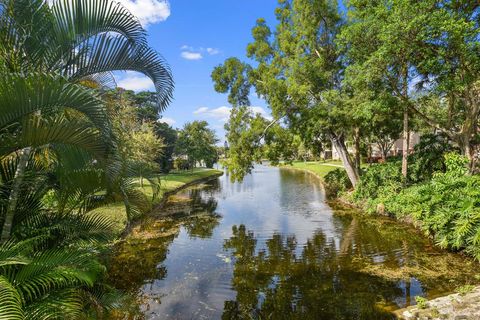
(396, 150)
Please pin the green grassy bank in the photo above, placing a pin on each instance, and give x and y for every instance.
(116, 212)
(320, 168)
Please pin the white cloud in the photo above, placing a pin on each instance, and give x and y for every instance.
(201, 110)
(136, 82)
(191, 55)
(167, 120)
(223, 113)
(148, 11)
(213, 51)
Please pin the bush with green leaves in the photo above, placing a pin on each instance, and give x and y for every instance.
(428, 157)
(377, 178)
(336, 182)
(446, 208)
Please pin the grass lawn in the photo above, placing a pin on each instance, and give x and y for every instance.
(116, 211)
(321, 168)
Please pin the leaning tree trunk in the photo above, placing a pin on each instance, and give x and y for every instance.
(356, 141)
(15, 193)
(339, 144)
(406, 142)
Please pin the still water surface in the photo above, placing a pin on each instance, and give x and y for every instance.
(270, 247)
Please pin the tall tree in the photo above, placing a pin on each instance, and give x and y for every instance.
(300, 71)
(169, 137)
(197, 142)
(425, 54)
(384, 41)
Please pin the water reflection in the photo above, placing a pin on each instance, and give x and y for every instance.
(272, 248)
(139, 259)
(277, 283)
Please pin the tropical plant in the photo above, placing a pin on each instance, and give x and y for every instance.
(50, 52)
(428, 157)
(59, 156)
(38, 282)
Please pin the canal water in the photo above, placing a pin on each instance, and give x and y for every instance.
(271, 247)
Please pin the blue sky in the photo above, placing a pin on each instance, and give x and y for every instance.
(194, 37)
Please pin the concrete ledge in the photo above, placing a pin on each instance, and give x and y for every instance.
(452, 307)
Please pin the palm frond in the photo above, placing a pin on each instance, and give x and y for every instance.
(106, 52)
(10, 301)
(53, 270)
(77, 20)
(49, 94)
(61, 304)
(38, 132)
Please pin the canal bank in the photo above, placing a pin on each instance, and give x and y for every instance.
(462, 305)
(271, 245)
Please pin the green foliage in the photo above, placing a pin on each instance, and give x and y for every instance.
(244, 132)
(299, 71)
(428, 157)
(169, 137)
(232, 77)
(196, 142)
(182, 164)
(378, 179)
(447, 207)
(456, 164)
(61, 153)
(422, 303)
(463, 290)
(336, 182)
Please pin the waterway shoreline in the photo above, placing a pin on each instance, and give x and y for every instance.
(161, 204)
(452, 306)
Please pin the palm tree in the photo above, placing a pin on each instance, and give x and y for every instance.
(50, 51)
(58, 157)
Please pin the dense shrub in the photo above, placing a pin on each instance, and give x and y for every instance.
(379, 178)
(447, 207)
(335, 182)
(182, 164)
(428, 157)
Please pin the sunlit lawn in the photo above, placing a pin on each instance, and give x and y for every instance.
(321, 168)
(116, 211)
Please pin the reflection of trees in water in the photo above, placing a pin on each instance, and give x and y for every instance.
(275, 282)
(139, 259)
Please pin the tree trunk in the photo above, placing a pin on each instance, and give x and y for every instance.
(468, 150)
(383, 151)
(406, 142)
(15, 193)
(358, 157)
(339, 145)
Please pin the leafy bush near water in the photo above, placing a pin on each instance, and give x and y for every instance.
(379, 179)
(428, 157)
(336, 182)
(447, 207)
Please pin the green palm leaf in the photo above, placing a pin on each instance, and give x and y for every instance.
(62, 304)
(80, 19)
(10, 301)
(37, 132)
(23, 95)
(106, 52)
